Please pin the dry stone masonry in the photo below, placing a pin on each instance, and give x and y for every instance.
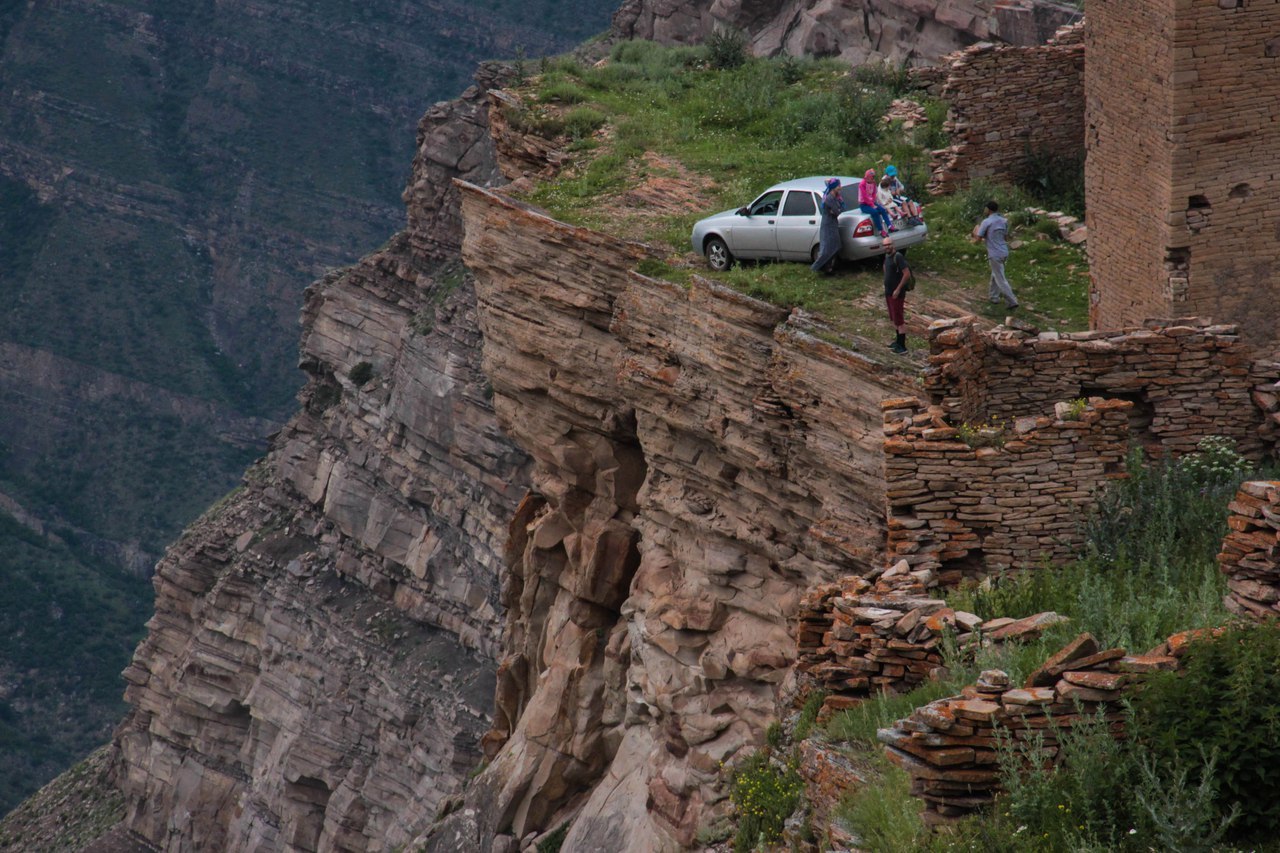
(1010, 102)
(857, 638)
(948, 747)
(1184, 206)
(1250, 554)
(964, 510)
(1187, 379)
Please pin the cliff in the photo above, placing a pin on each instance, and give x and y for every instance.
(544, 500)
(319, 669)
(698, 463)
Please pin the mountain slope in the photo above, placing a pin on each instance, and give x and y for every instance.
(171, 177)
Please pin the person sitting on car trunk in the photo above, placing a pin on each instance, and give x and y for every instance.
(867, 203)
(829, 231)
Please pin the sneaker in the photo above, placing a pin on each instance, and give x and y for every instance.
(898, 348)
(994, 300)
(1013, 307)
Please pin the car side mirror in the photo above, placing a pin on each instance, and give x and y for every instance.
(742, 211)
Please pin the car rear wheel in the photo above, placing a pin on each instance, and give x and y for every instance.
(719, 258)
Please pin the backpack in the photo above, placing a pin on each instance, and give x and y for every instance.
(911, 274)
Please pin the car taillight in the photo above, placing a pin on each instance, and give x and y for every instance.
(863, 229)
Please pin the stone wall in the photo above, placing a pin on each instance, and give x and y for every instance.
(1008, 102)
(1187, 379)
(1014, 499)
(948, 747)
(1250, 554)
(1184, 209)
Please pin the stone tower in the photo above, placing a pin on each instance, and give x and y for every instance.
(1182, 130)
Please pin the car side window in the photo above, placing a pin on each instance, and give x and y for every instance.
(767, 204)
(799, 203)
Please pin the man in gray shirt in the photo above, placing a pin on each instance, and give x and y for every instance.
(992, 231)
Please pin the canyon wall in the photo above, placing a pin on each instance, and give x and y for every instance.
(320, 668)
(698, 463)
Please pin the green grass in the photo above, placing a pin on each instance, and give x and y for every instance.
(747, 127)
(1148, 570)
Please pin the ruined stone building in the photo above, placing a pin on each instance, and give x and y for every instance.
(1184, 200)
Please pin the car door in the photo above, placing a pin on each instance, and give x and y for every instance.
(798, 225)
(755, 232)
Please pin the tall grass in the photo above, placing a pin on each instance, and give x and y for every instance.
(1148, 570)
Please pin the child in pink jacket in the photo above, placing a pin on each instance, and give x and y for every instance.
(867, 203)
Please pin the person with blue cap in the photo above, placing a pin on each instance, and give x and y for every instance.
(829, 231)
(899, 192)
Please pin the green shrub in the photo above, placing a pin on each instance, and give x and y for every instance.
(726, 48)
(860, 723)
(808, 715)
(581, 122)
(563, 91)
(931, 135)
(361, 372)
(859, 119)
(1225, 701)
(1055, 179)
(765, 792)
(885, 816)
(884, 75)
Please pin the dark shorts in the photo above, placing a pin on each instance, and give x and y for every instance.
(897, 310)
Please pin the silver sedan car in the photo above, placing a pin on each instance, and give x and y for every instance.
(782, 224)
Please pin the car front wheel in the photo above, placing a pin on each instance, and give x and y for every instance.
(719, 258)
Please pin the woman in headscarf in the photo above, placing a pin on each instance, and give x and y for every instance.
(829, 231)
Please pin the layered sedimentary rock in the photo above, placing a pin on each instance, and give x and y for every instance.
(320, 667)
(912, 31)
(698, 463)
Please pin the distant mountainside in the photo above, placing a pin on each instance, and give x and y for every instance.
(172, 175)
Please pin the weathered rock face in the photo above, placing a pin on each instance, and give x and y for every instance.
(319, 670)
(698, 463)
(914, 31)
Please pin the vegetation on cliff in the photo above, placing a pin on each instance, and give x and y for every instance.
(1194, 773)
(662, 137)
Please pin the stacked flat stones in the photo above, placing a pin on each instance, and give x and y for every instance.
(856, 638)
(1250, 554)
(949, 747)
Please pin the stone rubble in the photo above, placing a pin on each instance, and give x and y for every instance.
(856, 638)
(1250, 555)
(949, 746)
